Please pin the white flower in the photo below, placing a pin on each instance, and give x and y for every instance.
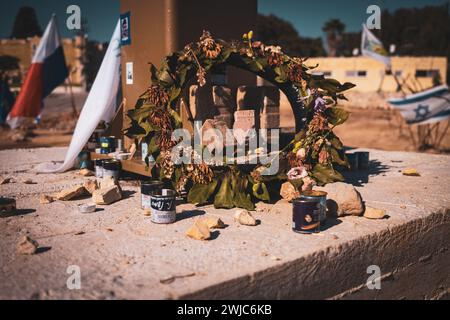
(297, 173)
(274, 49)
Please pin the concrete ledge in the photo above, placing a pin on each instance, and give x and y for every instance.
(122, 255)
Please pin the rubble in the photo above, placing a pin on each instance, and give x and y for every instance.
(199, 230)
(71, 193)
(86, 173)
(27, 246)
(214, 223)
(45, 199)
(372, 213)
(107, 196)
(288, 192)
(342, 199)
(91, 186)
(244, 217)
(411, 173)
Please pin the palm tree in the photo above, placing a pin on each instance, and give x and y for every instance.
(334, 29)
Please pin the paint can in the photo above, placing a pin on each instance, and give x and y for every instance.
(306, 216)
(111, 168)
(321, 196)
(147, 189)
(352, 161)
(163, 206)
(98, 164)
(363, 160)
(107, 144)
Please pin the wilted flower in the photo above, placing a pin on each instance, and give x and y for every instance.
(295, 72)
(275, 57)
(201, 77)
(301, 154)
(323, 156)
(297, 173)
(308, 184)
(273, 49)
(156, 96)
(209, 46)
(319, 105)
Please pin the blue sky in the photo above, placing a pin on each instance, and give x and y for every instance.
(308, 16)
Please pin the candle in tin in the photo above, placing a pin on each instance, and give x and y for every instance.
(98, 168)
(363, 160)
(147, 189)
(111, 168)
(306, 216)
(163, 206)
(320, 196)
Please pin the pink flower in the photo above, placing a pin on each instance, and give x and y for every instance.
(301, 154)
(297, 173)
(308, 184)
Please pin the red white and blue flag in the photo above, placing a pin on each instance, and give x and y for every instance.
(48, 70)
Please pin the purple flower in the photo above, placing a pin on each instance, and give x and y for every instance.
(319, 105)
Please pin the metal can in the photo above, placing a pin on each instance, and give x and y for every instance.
(107, 144)
(353, 161)
(363, 159)
(111, 168)
(147, 189)
(163, 206)
(98, 164)
(321, 196)
(306, 216)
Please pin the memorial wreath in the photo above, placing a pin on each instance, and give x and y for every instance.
(312, 157)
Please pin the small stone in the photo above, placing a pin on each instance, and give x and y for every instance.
(402, 207)
(214, 223)
(27, 246)
(44, 199)
(107, 196)
(288, 192)
(109, 229)
(80, 233)
(199, 231)
(244, 217)
(71, 193)
(343, 199)
(86, 173)
(91, 186)
(5, 181)
(29, 181)
(147, 213)
(372, 213)
(274, 258)
(108, 182)
(411, 173)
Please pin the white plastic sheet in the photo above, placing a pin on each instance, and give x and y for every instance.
(100, 105)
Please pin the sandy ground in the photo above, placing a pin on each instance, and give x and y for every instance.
(371, 125)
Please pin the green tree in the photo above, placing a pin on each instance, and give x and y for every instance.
(273, 30)
(26, 24)
(334, 30)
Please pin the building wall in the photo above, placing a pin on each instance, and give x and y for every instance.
(159, 27)
(369, 75)
(24, 49)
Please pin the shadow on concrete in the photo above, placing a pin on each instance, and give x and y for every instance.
(43, 250)
(187, 214)
(17, 213)
(330, 223)
(360, 177)
(214, 235)
(127, 194)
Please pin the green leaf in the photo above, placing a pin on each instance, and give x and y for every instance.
(325, 175)
(337, 116)
(141, 114)
(261, 192)
(176, 117)
(225, 195)
(242, 200)
(200, 193)
(336, 158)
